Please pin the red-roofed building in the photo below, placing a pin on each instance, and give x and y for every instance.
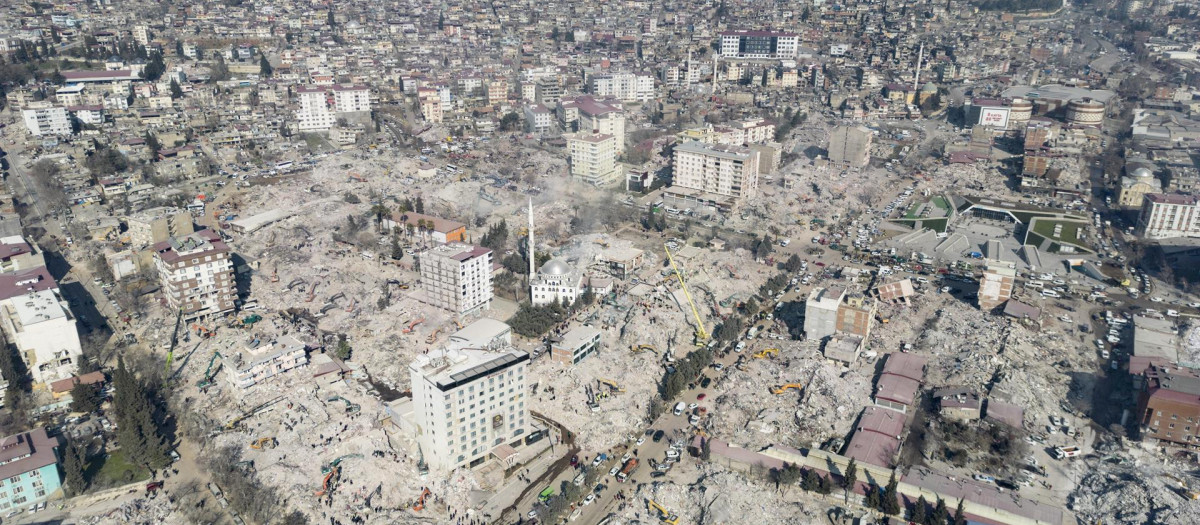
(196, 271)
(1169, 405)
(25, 281)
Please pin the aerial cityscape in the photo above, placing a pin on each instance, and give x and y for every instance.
(600, 263)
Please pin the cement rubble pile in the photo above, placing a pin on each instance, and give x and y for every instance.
(722, 497)
(1132, 492)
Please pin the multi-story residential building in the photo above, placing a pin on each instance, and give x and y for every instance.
(466, 402)
(856, 315)
(538, 119)
(719, 169)
(351, 98)
(624, 86)
(28, 469)
(1169, 405)
(497, 91)
(457, 277)
(759, 44)
(259, 360)
(43, 329)
(196, 271)
(604, 118)
(1164, 216)
(850, 146)
(593, 158)
(156, 225)
(314, 113)
(43, 119)
(431, 105)
(575, 345)
(996, 286)
(547, 92)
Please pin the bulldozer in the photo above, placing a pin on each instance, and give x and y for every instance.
(264, 442)
(642, 348)
(767, 352)
(782, 389)
(665, 516)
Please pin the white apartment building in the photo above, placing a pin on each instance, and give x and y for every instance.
(593, 157)
(457, 277)
(759, 45)
(314, 113)
(731, 171)
(599, 117)
(431, 105)
(624, 86)
(196, 272)
(43, 329)
(537, 119)
(1164, 216)
(351, 99)
(45, 119)
(821, 312)
(468, 402)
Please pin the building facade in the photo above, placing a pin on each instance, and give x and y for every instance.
(468, 402)
(156, 225)
(593, 158)
(576, 345)
(821, 312)
(47, 120)
(1164, 216)
(196, 272)
(730, 171)
(996, 285)
(1169, 405)
(625, 86)
(759, 44)
(259, 361)
(41, 326)
(457, 277)
(28, 469)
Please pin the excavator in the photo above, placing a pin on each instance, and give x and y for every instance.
(333, 474)
(210, 371)
(264, 442)
(1183, 488)
(772, 352)
(782, 389)
(249, 320)
(202, 331)
(612, 385)
(351, 408)
(413, 325)
(665, 516)
(250, 413)
(432, 337)
(420, 504)
(642, 348)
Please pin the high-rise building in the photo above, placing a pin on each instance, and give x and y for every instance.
(466, 402)
(457, 277)
(759, 44)
(593, 158)
(320, 106)
(1164, 216)
(44, 119)
(821, 312)
(625, 86)
(41, 326)
(431, 105)
(196, 271)
(856, 315)
(850, 146)
(719, 169)
(1169, 405)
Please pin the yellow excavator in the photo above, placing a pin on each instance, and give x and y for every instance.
(782, 389)
(1184, 489)
(665, 516)
(772, 352)
(265, 442)
(612, 385)
(642, 348)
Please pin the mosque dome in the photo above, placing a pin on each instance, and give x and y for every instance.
(555, 266)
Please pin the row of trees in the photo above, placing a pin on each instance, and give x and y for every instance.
(685, 371)
(883, 499)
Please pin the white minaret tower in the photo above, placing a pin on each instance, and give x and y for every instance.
(917, 73)
(532, 253)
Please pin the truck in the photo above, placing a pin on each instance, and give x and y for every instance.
(627, 470)
(679, 407)
(1066, 452)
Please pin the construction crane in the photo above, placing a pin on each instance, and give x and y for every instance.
(701, 333)
(252, 412)
(264, 442)
(773, 352)
(174, 339)
(782, 389)
(351, 408)
(210, 372)
(612, 385)
(642, 348)
(665, 516)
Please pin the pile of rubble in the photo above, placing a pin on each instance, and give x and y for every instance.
(1121, 489)
(136, 512)
(721, 497)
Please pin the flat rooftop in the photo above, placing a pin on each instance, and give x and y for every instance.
(449, 369)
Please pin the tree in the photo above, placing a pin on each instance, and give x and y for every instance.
(849, 478)
(793, 264)
(218, 71)
(891, 503)
(75, 465)
(510, 121)
(153, 144)
(14, 370)
(85, 398)
(154, 68)
(826, 485)
(940, 513)
(329, 21)
(343, 348)
(811, 480)
(872, 498)
(264, 66)
(441, 21)
(705, 449)
(920, 512)
(960, 517)
(419, 205)
(136, 427)
(176, 91)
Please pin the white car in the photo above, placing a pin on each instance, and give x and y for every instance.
(641, 440)
(692, 406)
(588, 500)
(1193, 305)
(740, 346)
(1156, 299)
(613, 471)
